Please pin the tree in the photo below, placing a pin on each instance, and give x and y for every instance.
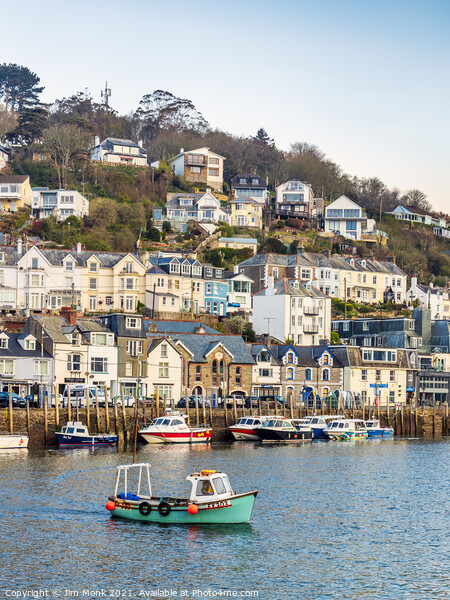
(64, 144)
(416, 199)
(263, 137)
(334, 338)
(8, 121)
(163, 111)
(154, 234)
(31, 125)
(19, 87)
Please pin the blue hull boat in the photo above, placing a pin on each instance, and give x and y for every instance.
(375, 431)
(75, 434)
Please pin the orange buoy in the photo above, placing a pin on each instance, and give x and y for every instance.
(110, 505)
(192, 509)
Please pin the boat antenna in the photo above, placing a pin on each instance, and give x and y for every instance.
(136, 413)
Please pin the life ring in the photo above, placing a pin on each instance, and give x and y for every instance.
(164, 508)
(144, 508)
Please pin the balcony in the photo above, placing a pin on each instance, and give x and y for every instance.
(311, 328)
(197, 160)
(311, 310)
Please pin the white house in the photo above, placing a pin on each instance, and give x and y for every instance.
(266, 372)
(239, 295)
(344, 217)
(250, 186)
(60, 203)
(164, 370)
(289, 311)
(198, 207)
(437, 299)
(118, 151)
(200, 166)
(294, 200)
(417, 215)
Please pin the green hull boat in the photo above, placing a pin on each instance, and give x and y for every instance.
(212, 500)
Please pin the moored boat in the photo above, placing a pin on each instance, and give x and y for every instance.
(281, 429)
(319, 423)
(75, 434)
(13, 440)
(173, 429)
(375, 430)
(245, 427)
(211, 499)
(346, 429)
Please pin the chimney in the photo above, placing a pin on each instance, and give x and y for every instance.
(414, 281)
(390, 258)
(181, 150)
(79, 248)
(431, 286)
(300, 249)
(236, 269)
(140, 144)
(326, 252)
(208, 190)
(19, 246)
(96, 141)
(70, 314)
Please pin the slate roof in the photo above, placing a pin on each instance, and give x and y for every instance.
(15, 349)
(200, 344)
(261, 182)
(116, 322)
(56, 256)
(14, 178)
(177, 326)
(283, 286)
(309, 355)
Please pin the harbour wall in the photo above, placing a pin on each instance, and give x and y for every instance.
(41, 424)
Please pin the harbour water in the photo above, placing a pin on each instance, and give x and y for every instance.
(332, 520)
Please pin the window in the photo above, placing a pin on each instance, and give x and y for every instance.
(93, 267)
(325, 374)
(109, 301)
(308, 374)
(128, 267)
(290, 357)
(34, 263)
(68, 282)
(41, 367)
(74, 362)
(374, 279)
(69, 266)
(92, 284)
(391, 375)
(196, 170)
(325, 359)
(265, 372)
(213, 172)
(129, 283)
(30, 344)
(364, 374)
(92, 303)
(198, 373)
(132, 323)
(164, 369)
(6, 366)
(392, 396)
(163, 350)
(166, 391)
(334, 212)
(238, 375)
(134, 347)
(290, 373)
(100, 339)
(365, 326)
(99, 365)
(209, 288)
(129, 369)
(3, 342)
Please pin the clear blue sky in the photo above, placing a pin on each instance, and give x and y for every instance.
(368, 81)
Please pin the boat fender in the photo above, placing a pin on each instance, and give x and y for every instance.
(144, 508)
(164, 508)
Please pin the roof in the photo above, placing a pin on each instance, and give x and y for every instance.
(239, 240)
(308, 356)
(196, 151)
(15, 349)
(14, 178)
(244, 200)
(201, 344)
(283, 286)
(56, 257)
(260, 182)
(176, 326)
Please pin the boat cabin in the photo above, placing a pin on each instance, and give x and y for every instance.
(348, 425)
(208, 485)
(174, 422)
(250, 421)
(75, 428)
(373, 424)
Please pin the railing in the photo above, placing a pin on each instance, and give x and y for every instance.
(310, 310)
(200, 161)
(311, 328)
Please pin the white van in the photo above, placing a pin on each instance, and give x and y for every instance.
(79, 392)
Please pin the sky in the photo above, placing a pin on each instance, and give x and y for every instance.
(367, 81)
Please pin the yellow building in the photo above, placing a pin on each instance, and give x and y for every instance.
(112, 281)
(15, 193)
(246, 212)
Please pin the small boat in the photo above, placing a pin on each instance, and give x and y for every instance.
(245, 427)
(173, 429)
(211, 499)
(346, 429)
(13, 440)
(374, 429)
(281, 429)
(318, 424)
(76, 434)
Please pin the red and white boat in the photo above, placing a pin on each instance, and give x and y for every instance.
(245, 427)
(173, 429)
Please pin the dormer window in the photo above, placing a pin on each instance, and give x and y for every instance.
(132, 323)
(30, 344)
(128, 267)
(69, 266)
(93, 267)
(290, 357)
(3, 342)
(34, 263)
(2, 257)
(325, 359)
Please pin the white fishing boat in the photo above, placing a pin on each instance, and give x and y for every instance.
(173, 429)
(9, 441)
(346, 429)
(245, 427)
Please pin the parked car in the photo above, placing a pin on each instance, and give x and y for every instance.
(129, 401)
(17, 401)
(182, 402)
(35, 400)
